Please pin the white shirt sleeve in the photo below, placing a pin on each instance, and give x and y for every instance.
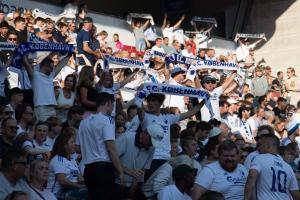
(164, 194)
(162, 178)
(205, 178)
(294, 184)
(173, 118)
(255, 164)
(58, 167)
(219, 91)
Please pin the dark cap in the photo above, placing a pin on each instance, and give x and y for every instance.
(88, 20)
(181, 171)
(4, 24)
(14, 91)
(176, 71)
(208, 78)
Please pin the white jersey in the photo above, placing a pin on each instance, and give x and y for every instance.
(214, 100)
(61, 165)
(250, 158)
(231, 184)
(171, 192)
(93, 132)
(165, 121)
(276, 178)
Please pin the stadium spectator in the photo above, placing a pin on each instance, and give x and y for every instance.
(261, 166)
(184, 177)
(14, 164)
(226, 168)
(292, 86)
(3, 31)
(39, 172)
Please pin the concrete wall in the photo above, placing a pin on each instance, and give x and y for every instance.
(279, 19)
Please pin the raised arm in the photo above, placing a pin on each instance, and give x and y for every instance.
(228, 81)
(179, 22)
(250, 184)
(28, 66)
(146, 24)
(192, 111)
(164, 22)
(63, 62)
(128, 78)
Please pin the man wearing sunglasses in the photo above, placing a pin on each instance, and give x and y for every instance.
(209, 83)
(8, 134)
(14, 165)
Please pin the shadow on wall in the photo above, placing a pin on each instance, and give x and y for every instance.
(264, 15)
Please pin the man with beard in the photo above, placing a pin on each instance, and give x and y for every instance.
(272, 177)
(24, 117)
(226, 175)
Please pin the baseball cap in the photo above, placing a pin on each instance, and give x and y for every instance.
(177, 70)
(292, 126)
(88, 20)
(214, 132)
(156, 133)
(232, 101)
(181, 171)
(208, 78)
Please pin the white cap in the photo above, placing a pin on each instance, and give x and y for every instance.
(292, 126)
(214, 132)
(232, 101)
(157, 134)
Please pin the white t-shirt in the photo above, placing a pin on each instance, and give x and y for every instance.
(250, 158)
(276, 177)
(231, 184)
(214, 99)
(168, 32)
(43, 89)
(174, 100)
(244, 129)
(93, 132)
(243, 51)
(179, 35)
(133, 125)
(187, 54)
(159, 49)
(61, 165)
(165, 121)
(171, 192)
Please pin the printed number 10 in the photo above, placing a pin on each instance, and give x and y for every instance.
(277, 181)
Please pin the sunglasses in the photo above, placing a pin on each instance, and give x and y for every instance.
(8, 112)
(13, 127)
(12, 39)
(210, 82)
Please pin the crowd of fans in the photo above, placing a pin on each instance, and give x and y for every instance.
(70, 129)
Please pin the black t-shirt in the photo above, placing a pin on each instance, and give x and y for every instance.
(22, 36)
(91, 96)
(3, 39)
(279, 113)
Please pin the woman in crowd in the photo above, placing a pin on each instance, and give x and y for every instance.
(66, 97)
(65, 180)
(279, 128)
(38, 178)
(86, 91)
